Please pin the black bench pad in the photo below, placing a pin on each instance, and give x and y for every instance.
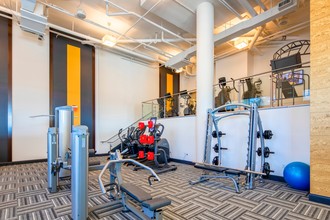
(135, 192)
(156, 203)
(233, 172)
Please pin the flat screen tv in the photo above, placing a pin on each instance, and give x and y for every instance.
(294, 77)
(286, 63)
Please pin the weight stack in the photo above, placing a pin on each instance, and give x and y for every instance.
(79, 172)
(52, 154)
(64, 122)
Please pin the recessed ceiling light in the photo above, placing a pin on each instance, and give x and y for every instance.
(240, 44)
(109, 40)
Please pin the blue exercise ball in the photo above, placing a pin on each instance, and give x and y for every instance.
(296, 174)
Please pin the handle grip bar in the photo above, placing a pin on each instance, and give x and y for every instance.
(124, 161)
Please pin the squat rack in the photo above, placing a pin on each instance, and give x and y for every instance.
(255, 126)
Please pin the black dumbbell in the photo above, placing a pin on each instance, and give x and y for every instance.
(266, 152)
(268, 134)
(214, 134)
(215, 160)
(267, 169)
(216, 148)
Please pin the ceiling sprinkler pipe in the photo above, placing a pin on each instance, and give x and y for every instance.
(124, 34)
(94, 40)
(149, 21)
(156, 50)
(173, 45)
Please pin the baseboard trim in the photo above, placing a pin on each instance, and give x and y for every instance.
(101, 155)
(22, 162)
(276, 178)
(319, 199)
(182, 161)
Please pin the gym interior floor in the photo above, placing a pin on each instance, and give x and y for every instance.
(23, 195)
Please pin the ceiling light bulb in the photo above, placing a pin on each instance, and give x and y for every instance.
(179, 70)
(109, 41)
(241, 44)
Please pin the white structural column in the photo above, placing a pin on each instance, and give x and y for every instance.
(205, 72)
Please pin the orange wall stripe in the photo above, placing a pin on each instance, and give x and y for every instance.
(169, 88)
(73, 81)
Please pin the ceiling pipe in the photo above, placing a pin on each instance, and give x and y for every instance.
(163, 53)
(154, 40)
(124, 34)
(114, 13)
(259, 2)
(231, 9)
(99, 42)
(241, 28)
(149, 21)
(285, 32)
(173, 45)
(266, 39)
(262, 5)
(184, 6)
(154, 49)
(248, 7)
(91, 39)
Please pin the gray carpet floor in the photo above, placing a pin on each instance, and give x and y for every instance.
(24, 195)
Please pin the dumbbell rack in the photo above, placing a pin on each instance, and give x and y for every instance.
(267, 135)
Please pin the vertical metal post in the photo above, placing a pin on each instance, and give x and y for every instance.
(251, 156)
(142, 109)
(52, 154)
(79, 169)
(262, 143)
(271, 90)
(239, 99)
(208, 138)
(152, 109)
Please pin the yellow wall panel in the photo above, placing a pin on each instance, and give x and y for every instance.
(169, 89)
(73, 80)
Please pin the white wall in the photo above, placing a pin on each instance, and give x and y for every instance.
(187, 82)
(121, 86)
(290, 142)
(235, 66)
(30, 95)
(180, 133)
(290, 126)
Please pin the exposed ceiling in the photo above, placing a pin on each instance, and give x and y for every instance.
(157, 30)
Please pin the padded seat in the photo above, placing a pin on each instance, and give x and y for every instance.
(135, 192)
(156, 203)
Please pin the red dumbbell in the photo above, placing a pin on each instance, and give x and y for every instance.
(141, 125)
(150, 140)
(150, 156)
(144, 139)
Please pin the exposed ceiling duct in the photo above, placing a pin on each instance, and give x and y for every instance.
(32, 19)
(181, 59)
(159, 30)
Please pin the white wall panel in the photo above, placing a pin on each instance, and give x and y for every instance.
(30, 95)
(121, 86)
